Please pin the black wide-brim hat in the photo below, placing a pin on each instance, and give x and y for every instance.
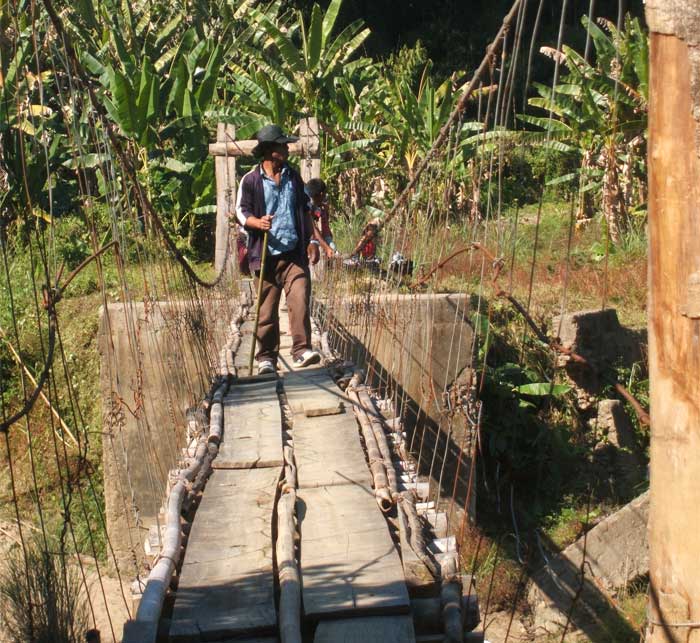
(271, 134)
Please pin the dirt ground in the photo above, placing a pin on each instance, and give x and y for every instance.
(496, 628)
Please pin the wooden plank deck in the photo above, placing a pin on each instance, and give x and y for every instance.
(349, 564)
(226, 585)
(252, 427)
(327, 452)
(313, 392)
(351, 571)
(371, 629)
(242, 357)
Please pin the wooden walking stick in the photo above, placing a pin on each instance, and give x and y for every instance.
(257, 303)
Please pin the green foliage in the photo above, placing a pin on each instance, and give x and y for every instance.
(597, 115)
(519, 398)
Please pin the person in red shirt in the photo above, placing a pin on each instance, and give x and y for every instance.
(369, 249)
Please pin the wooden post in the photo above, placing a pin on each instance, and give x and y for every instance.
(225, 172)
(225, 151)
(310, 165)
(674, 320)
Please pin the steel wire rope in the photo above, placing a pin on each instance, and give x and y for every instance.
(508, 88)
(126, 299)
(84, 188)
(28, 400)
(84, 471)
(66, 492)
(582, 572)
(530, 289)
(47, 355)
(66, 500)
(15, 501)
(606, 264)
(450, 152)
(116, 411)
(522, 582)
(587, 48)
(497, 123)
(515, 60)
(489, 592)
(555, 82)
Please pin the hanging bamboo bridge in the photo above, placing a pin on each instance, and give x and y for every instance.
(308, 520)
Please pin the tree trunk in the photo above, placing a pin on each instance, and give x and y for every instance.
(585, 209)
(674, 320)
(613, 203)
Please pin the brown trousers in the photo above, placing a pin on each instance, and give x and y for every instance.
(286, 272)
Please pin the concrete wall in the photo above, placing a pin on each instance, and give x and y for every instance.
(156, 362)
(415, 348)
(616, 552)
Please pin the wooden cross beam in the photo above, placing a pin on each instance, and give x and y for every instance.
(233, 147)
(227, 149)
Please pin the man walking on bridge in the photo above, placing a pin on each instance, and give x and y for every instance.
(271, 199)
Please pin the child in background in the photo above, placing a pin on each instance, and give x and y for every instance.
(368, 252)
(317, 191)
(369, 249)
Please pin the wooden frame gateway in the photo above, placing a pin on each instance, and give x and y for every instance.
(225, 151)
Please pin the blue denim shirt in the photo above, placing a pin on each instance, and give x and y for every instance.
(280, 201)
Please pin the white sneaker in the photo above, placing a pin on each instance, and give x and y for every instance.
(266, 366)
(307, 357)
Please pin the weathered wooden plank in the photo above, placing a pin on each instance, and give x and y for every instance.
(328, 452)
(245, 148)
(226, 584)
(247, 379)
(370, 629)
(252, 428)
(242, 357)
(313, 392)
(349, 563)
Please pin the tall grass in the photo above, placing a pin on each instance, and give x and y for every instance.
(42, 599)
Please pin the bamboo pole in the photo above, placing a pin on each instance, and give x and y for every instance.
(380, 437)
(451, 600)
(674, 320)
(376, 462)
(416, 538)
(288, 572)
(290, 470)
(216, 416)
(261, 278)
(144, 627)
(427, 613)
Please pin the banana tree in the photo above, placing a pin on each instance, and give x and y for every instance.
(598, 114)
(310, 56)
(157, 78)
(32, 145)
(414, 118)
